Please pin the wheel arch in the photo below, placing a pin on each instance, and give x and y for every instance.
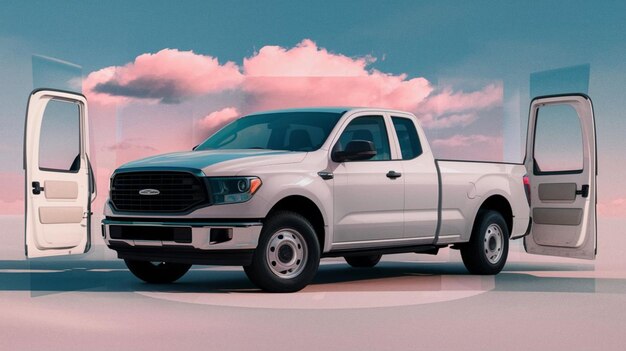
(306, 208)
(500, 204)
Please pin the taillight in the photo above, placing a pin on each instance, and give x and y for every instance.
(527, 188)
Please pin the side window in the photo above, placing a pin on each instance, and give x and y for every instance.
(370, 128)
(558, 140)
(407, 137)
(59, 141)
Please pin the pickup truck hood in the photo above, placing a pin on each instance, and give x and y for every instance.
(214, 162)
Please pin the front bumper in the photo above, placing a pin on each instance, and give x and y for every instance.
(221, 242)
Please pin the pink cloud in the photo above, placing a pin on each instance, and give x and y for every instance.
(167, 76)
(466, 140)
(469, 147)
(304, 75)
(306, 59)
(450, 101)
(307, 75)
(278, 77)
(448, 108)
(217, 119)
(127, 144)
(449, 121)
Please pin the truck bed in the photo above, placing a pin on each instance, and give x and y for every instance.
(462, 181)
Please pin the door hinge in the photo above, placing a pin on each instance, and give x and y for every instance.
(37, 188)
(584, 191)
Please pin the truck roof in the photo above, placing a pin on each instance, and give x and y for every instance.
(335, 109)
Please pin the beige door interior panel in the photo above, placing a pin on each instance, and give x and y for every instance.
(60, 214)
(61, 189)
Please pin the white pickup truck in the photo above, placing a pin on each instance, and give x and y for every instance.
(277, 191)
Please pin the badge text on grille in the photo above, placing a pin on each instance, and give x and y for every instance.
(149, 192)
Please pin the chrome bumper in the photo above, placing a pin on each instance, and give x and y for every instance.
(235, 235)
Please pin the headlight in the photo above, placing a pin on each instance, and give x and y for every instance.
(232, 189)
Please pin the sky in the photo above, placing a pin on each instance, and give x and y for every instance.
(161, 76)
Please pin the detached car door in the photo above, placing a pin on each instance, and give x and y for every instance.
(562, 169)
(59, 186)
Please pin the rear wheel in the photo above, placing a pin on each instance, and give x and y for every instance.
(488, 248)
(157, 272)
(365, 261)
(287, 256)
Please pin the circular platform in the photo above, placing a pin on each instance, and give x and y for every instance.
(337, 286)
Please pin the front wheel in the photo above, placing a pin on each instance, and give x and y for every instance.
(157, 272)
(488, 248)
(287, 256)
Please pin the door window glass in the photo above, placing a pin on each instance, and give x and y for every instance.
(369, 128)
(59, 141)
(300, 137)
(558, 140)
(407, 137)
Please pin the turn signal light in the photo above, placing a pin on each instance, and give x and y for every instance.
(255, 183)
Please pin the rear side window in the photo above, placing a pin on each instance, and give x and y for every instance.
(410, 145)
(369, 128)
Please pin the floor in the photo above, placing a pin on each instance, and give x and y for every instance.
(407, 302)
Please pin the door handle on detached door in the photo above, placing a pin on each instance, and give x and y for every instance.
(37, 188)
(584, 191)
(393, 175)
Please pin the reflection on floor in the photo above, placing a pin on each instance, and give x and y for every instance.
(337, 285)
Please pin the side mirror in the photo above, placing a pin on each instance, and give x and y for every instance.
(356, 150)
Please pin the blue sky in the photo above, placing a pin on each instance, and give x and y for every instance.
(417, 37)
(464, 43)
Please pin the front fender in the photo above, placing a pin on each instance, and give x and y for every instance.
(310, 186)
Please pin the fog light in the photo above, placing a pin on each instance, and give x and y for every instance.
(220, 235)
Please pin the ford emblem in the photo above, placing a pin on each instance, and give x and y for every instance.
(149, 192)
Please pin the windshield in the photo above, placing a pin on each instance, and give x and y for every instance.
(293, 131)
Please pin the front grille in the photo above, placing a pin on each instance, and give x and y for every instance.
(178, 191)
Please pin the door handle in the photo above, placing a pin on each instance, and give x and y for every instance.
(584, 191)
(37, 188)
(393, 175)
(326, 175)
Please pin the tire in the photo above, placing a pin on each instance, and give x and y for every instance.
(487, 251)
(157, 272)
(366, 261)
(287, 256)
